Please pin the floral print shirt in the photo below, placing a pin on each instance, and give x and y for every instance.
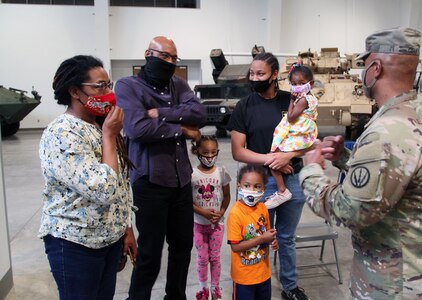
(300, 134)
(85, 201)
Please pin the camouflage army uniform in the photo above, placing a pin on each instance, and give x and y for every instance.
(380, 200)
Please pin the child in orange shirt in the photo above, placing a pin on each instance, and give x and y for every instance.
(250, 237)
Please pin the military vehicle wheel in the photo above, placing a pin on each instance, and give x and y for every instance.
(221, 132)
(9, 129)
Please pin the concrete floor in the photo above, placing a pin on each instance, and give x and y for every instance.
(31, 273)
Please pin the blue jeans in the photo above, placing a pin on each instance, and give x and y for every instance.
(287, 217)
(83, 273)
(259, 291)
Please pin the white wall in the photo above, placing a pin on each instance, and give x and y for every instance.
(342, 23)
(36, 38)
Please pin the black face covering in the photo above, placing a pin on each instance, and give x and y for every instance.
(261, 86)
(158, 72)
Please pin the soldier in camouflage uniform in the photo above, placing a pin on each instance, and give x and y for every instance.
(380, 199)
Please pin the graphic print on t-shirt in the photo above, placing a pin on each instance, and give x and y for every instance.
(207, 189)
(206, 192)
(256, 254)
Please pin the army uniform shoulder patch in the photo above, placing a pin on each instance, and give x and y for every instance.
(367, 170)
(360, 177)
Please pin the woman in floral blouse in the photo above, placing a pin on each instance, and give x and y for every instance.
(86, 217)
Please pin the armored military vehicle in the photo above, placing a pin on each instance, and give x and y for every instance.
(231, 84)
(14, 106)
(341, 100)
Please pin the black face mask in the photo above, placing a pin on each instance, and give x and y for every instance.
(158, 72)
(261, 86)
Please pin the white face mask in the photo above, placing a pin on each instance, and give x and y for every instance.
(250, 198)
(301, 89)
(208, 161)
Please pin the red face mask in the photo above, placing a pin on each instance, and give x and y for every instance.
(100, 105)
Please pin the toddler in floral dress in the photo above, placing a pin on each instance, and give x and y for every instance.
(297, 130)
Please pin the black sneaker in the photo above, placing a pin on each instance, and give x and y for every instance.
(295, 294)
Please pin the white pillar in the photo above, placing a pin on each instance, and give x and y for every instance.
(102, 32)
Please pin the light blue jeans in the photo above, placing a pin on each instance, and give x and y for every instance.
(287, 216)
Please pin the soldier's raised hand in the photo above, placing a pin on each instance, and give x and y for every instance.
(332, 147)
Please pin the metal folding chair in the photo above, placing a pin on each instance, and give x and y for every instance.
(315, 232)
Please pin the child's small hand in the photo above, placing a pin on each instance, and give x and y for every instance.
(274, 245)
(298, 98)
(219, 215)
(215, 220)
(294, 96)
(269, 235)
(210, 214)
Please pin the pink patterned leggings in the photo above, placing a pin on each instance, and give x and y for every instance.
(208, 244)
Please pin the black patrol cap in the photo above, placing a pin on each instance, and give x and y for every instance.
(398, 40)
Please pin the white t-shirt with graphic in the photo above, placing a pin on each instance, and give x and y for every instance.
(207, 191)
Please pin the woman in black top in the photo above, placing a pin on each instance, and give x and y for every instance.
(252, 125)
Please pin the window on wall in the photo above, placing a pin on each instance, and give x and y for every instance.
(157, 3)
(146, 3)
(51, 2)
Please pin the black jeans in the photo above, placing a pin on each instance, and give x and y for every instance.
(164, 212)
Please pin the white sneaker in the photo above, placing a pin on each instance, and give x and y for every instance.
(276, 199)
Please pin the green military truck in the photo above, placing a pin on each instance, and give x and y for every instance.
(231, 84)
(14, 106)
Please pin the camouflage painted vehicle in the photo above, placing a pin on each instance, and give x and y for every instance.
(341, 100)
(231, 84)
(14, 106)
